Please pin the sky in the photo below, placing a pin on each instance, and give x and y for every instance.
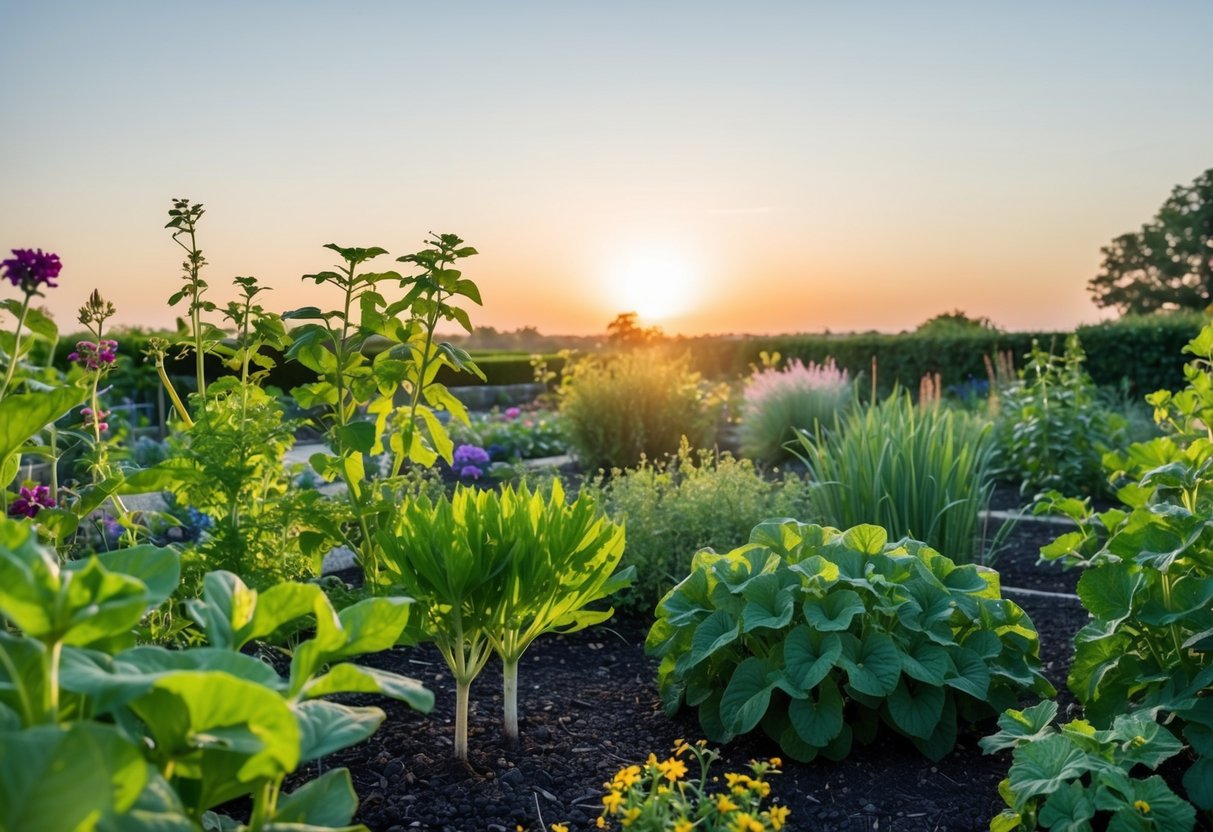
(754, 167)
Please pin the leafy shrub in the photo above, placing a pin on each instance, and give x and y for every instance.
(920, 472)
(818, 636)
(1078, 778)
(637, 404)
(514, 433)
(663, 795)
(1148, 576)
(98, 734)
(780, 402)
(674, 509)
(492, 572)
(1052, 428)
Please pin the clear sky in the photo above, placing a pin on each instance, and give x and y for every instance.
(742, 166)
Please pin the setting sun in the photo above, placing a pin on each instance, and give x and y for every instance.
(654, 283)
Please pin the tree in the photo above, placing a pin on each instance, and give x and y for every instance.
(1168, 264)
(624, 331)
(955, 321)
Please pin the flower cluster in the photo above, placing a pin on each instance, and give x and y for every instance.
(32, 269)
(95, 355)
(470, 461)
(513, 413)
(95, 418)
(798, 377)
(30, 501)
(660, 795)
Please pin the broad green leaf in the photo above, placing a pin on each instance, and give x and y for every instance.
(926, 662)
(968, 673)
(818, 719)
(916, 707)
(1046, 765)
(1107, 591)
(326, 727)
(352, 678)
(873, 664)
(746, 697)
(24, 415)
(714, 632)
(867, 539)
(1071, 807)
(328, 801)
(809, 656)
(357, 436)
(769, 603)
(158, 568)
(833, 612)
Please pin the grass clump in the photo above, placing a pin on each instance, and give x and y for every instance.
(777, 403)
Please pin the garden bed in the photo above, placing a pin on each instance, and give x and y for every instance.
(589, 706)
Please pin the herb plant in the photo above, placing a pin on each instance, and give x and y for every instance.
(921, 472)
(778, 403)
(819, 636)
(1077, 778)
(494, 571)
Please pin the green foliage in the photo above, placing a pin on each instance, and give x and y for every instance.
(619, 409)
(921, 472)
(955, 321)
(675, 508)
(1052, 430)
(818, 636)
(1148, 579)
(1167, 264)
(98, 734)
(778, 403)
(1078, 779)
(513, 434)
(493, 572)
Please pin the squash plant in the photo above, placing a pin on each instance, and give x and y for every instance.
(1148, 579)
(493, 572)
(98, 734)
(819, 635)
(1078, 778)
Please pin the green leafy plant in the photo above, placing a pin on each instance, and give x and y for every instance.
(1052, 428)
(1148, 574)
(778, 403)
(819, 636)
(640, 403)
(98, 734)
(676, 794)
(512, 434)
(492, 572)
(921, 472)
(334, 347)
(1078, 778)
(673, 509)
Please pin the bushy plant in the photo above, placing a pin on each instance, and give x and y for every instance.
(1077, 778)
(1148, 574)
(639, 403)
(819, 636)
(98, 734)
(673, 509)
(676, 795)
(491, 572)
(920, 472)
(1052, 427)
(777, 403)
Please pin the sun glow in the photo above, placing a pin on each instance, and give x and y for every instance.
(654, 283)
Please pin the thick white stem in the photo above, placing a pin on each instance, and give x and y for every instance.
(461, 720)
(509, 674)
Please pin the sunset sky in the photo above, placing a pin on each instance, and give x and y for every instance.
(745, 167)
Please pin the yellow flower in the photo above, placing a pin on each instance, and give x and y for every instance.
(762, 787)
(1141, 806)
(723, 804)
(775, 761)
(601, 822)
(683, 825)
(673, 769)
(779, 816)
(651, 761)
(746, 822)
(626, 777)
(559, 827)
(611, 801)
(629, 817)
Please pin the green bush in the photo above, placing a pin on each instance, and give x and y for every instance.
(619, 409)
(696, 499)
(1052, 428)
(819, 636)
(777, 403)
(920, 472)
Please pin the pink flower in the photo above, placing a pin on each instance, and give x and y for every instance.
(512, 412)
(30, 501)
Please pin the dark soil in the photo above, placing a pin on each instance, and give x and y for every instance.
(1018, 563)
(589, 706)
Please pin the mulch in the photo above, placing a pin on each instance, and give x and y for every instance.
(589, 705)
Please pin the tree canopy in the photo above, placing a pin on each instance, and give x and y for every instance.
(1168, 264)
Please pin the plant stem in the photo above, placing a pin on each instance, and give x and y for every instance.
(461, 718)
(509, 674)
(52, 681)
(12, 363)
(172, 393)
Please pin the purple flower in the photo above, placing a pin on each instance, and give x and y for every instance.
(30, 501)
(466, 455)
(94, 356)
(32, 268)
(512, 412)
(98, 418)
(470, 472)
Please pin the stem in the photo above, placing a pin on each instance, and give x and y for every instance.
(12, 364)
(52, 682)
(172, 393)
(461, 718)
(430, 324)
(509, 674)
(54, 434)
